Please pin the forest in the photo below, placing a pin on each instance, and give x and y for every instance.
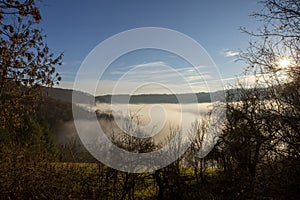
(256, 155)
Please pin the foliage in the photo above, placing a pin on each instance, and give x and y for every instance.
(26, 66)
(26, 62)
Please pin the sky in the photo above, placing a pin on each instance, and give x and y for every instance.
(77, 27)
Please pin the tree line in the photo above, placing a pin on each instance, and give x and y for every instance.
(255, 157)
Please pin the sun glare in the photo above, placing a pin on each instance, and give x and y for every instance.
(283, 63)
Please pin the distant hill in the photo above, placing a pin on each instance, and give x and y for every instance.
(156, 98)
(85, 98)
(202, 97)
(66, 95)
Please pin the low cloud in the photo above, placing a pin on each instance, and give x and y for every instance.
(152, 64)
(229, 53)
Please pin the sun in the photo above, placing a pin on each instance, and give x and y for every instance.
(283, 63)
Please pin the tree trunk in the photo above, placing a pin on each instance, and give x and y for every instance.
(160, 185)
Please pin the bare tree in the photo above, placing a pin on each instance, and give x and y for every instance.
(263, 112)
(199, 129)
(276, 58)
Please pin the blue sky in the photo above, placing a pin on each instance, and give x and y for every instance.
(77, 27)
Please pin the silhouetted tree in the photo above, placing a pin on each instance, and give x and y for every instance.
(263, 114)
(275, 58)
